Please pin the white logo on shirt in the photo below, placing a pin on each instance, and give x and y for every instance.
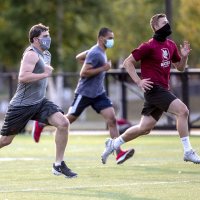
(165, 57)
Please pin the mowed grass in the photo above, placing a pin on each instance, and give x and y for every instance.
(156, 172)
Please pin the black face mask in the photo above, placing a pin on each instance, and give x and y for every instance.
(162, 33)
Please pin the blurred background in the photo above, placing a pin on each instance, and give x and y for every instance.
(74, 25)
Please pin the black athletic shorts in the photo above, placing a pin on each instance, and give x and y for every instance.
(17, 117)
(81, 102)
(157, 101)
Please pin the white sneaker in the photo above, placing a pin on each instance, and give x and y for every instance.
(191, 156)
(109, 148)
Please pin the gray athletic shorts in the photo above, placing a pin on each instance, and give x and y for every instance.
(17, 117)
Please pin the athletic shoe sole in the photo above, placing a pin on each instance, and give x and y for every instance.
(191, 161)
(126, 156)
(33, 131)
(60, 174)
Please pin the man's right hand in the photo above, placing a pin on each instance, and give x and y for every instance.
(145, 84)
(48, 70)
(107, 66)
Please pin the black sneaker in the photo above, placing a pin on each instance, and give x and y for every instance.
(63, 170)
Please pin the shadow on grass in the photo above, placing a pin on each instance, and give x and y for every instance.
(88, 194)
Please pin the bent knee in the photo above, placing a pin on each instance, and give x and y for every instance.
(64, 124)
(184, 111)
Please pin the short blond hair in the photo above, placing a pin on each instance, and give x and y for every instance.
(154, 20)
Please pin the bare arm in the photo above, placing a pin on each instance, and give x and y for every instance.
(88, 70)
(28, 63)
(185, 50)
(81, 56)
(129, 65)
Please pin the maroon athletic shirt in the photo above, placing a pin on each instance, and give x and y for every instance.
(156, 58)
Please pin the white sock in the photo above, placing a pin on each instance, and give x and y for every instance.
(118, 142)
(186, 143)
(57, 164)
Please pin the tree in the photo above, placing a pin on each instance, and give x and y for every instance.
(77, 25)
(74, 25)
(131, 24)
(189, 27)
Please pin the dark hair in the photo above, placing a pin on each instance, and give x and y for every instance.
(103, 32)
(36, 30)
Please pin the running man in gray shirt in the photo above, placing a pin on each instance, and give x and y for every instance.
(29, 101)
(90, 90)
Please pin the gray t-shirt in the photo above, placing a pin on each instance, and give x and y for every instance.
(93, 86)
(33, 92)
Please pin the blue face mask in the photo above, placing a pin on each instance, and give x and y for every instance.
(45, 43)
(109, 43)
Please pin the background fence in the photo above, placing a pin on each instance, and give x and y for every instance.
(126, 96)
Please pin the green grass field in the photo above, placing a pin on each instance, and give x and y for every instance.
(156, 172)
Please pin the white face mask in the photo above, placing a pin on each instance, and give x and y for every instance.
(109, 43)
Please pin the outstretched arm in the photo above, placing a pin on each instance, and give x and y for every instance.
(184, 50)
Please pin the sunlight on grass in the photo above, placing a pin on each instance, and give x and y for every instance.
(157, 171)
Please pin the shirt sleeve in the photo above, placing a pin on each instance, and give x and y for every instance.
(141, 52)
(92, 59)
(176, 56)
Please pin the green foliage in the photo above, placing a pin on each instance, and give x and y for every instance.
(74, 25)
(131, 24)
(189, 27)
(74, 20)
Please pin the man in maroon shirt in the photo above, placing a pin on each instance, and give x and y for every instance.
(156, 57)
